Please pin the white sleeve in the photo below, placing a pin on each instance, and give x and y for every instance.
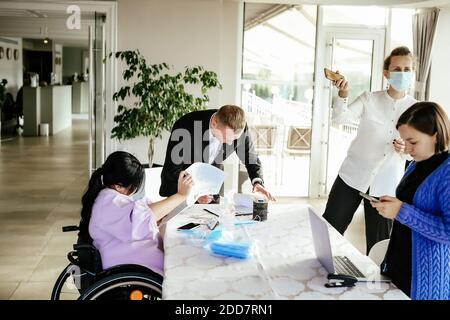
(344, 113)
(143, 222)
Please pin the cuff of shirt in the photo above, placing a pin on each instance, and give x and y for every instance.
(341, 101)
(255, 180)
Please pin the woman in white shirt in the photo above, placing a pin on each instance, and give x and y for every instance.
(375, 161)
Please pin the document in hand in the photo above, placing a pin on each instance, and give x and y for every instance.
(207, 180)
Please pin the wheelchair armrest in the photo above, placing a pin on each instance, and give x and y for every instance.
(70, 228)
(77, 246)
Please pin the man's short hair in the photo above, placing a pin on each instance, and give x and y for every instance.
(232, 117)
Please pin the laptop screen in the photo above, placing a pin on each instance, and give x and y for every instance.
(321, 240)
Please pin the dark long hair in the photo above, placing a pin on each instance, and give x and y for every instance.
(429, 118)
(120, 168)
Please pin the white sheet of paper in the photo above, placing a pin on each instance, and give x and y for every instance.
(207, 180)
(243, 200)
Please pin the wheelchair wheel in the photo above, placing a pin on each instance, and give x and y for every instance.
(125, 286)
(66, 285)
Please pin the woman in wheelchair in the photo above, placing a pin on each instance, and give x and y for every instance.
(122, 224)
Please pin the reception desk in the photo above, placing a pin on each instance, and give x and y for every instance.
(52, 105)
(31, 111)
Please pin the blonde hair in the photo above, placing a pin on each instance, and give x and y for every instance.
(399, 51)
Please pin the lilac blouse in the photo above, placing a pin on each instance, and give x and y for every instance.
(125, 231)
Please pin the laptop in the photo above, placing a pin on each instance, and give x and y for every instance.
(338, 264)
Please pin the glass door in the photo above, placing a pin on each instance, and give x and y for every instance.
(277, 87)
(96, 93)
(357, 54)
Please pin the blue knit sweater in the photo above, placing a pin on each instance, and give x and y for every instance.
(429, 220)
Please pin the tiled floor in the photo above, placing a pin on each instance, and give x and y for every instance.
(41, 183)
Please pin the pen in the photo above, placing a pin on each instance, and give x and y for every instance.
(243, 214)
(214, 214)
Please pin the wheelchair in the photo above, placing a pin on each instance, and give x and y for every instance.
(84, 278)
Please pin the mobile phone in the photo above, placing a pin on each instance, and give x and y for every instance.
(331, 75)
(368, 197)
(189, 226)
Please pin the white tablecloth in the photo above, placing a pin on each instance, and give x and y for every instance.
(284, 265)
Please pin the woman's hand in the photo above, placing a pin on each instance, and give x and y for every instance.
(342, 86)
(185, 183)
(399, 145)
(388, 207)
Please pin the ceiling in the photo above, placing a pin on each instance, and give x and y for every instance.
(396, 3)
(39, 24)
(44, 14)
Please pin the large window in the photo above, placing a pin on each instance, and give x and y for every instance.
(401, 28)
(277, 84)
(277, 91)
(351, 15)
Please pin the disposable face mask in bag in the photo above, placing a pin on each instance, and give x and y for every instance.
(240, 250)
(400, 81)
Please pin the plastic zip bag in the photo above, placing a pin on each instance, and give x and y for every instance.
(234, 249)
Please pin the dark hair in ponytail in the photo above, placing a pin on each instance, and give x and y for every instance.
(121, 168)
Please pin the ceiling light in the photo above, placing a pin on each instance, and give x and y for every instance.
(46, 40)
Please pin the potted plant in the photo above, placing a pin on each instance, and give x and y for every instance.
(154, 97)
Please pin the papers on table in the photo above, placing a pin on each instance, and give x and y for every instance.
(207, 180)
(243, 202)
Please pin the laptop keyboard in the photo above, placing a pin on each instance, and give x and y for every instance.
(343, 265)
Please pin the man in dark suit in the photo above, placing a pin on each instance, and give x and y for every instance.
(210, 136)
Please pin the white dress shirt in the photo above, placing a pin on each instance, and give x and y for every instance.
(371, 158)
(215, 147)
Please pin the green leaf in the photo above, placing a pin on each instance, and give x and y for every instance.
(161, 96)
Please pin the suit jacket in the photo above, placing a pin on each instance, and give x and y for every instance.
(189, 143)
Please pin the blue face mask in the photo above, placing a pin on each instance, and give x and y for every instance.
(400, 81)
(140, 193)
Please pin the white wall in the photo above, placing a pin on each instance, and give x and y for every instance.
(11, 69)
(440, 69)
(183, 32)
